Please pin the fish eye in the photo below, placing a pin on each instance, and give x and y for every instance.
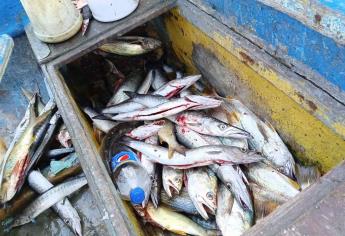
(209, 195)
(222, 126)
(244, 150)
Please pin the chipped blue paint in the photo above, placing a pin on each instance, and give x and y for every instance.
(337, 5)
(279, 30)
(13, 18)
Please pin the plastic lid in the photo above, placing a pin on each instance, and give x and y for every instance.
(137, 195)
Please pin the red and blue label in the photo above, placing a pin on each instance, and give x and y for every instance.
(122, 157)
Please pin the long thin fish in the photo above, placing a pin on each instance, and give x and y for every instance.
(265, 138)
(204, 124)
(48, 199)
(159, 79)
(146, 130)
(103, 125)
(176, 86)
(194, 157)
(57, 153)
(63, 208)
(146, 84)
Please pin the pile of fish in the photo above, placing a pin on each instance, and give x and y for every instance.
(39, 131)
(221, 167)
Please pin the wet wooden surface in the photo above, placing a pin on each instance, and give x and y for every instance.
(98, 31)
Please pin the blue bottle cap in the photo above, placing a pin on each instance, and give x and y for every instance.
(137, 195)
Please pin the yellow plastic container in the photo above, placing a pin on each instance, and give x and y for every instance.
(53, 21)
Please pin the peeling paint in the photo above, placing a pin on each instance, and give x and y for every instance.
(310, 139)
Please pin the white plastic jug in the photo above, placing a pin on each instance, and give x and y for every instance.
(53, 21)
(112, 10)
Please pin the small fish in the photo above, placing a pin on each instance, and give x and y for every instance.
(180, 203)
(146, 84)
(265, 138)
(272, 180)
(147, 130)
(159, 79)
(154, 173)
(170, 108)
(192, 139)
(16, 162)
(201, 156)
(306, 175)
(265, 201)
(63, 208)
(169, 220)
(202, 189)
(123, 107)
(39, 106)
(172, 180)
(132, 83)
(231, 218)
(176, 86)
(209, 224)
(48, 199)
(103, 125)
(131, 46)
(204, 124)
(57, 153)
(167, 135)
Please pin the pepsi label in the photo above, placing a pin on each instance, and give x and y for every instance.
(122, 157)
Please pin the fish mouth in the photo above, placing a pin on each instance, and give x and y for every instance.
(203, 102)
(235, 132)
(171, 188)
(204, 205)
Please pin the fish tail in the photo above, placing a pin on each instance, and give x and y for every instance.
(180, 149)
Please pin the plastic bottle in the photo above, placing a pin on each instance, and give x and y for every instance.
(130, 177)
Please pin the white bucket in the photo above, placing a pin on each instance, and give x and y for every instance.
(112, 10)
(53, 21)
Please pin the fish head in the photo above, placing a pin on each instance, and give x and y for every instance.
(74, 222)
(202, 102)
(225, 130)
(205, 202)
(173, 185)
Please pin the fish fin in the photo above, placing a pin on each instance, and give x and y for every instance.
(130, 94)
(170, 152)
(181, 149)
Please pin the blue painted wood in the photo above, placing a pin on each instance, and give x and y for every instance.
(279, 30)
(13, 18)
(337, 5)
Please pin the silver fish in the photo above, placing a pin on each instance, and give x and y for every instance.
(56, 153)
(147, 130)
(272, 180)
(122, 107)
(204, 124)
(194, 157)
(202, 189)
(172, 180)
(159, 79)
(131, 45)
(180, 203)
(176, 86)
(169, 108)
(151, 169)
(63, 208)
(103, 125)
(231, 218)
(265, 138)
(146, 84)
(234, 182)
(48, 199)
(132, 83)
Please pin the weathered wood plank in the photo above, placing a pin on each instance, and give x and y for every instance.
(319, 210)
(99, 31)
(109, 203)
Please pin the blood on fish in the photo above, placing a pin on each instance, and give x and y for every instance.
(181, 119)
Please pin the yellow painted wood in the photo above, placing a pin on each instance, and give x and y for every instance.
(310, 140)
